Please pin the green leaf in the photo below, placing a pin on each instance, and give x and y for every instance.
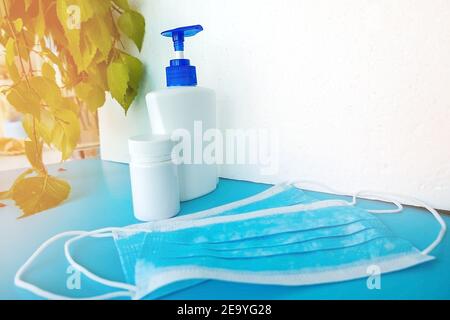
(124, 76)
(118, 77)
(132, 24)
(135, 70)
(122, 4)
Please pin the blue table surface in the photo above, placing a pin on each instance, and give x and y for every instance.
(101, 197)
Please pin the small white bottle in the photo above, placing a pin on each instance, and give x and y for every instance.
(154, 178)
(184, 105)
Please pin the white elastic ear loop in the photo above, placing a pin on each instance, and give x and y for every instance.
(317, 186)
(233, 205)
(19, 282)
(378, 196)
(414, 202)
(394, 198)
(105, 232)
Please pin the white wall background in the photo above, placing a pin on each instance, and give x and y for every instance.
(358, 89)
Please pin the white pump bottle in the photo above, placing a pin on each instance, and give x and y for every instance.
(183, 105)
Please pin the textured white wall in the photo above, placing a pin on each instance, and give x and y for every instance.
(358, 89)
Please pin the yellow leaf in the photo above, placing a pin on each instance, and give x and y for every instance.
(24, 52)
(28, 35)
(24, 100)
(98, 7)
(18, 24)
(91, 94)
(10, 51)
(83, 51)
(82, 90)
(28, 4)
(13, 73)
(97, 75)
(88, 51)
(100, 36)
(45, 126)
(66, 131)
(4, 8)
(58, 138)
(48, 71)
(69, 104)
(53, 58)
(48, 90)
(70, 18)
(8, 193)
(12, 46)
(27, 124)
(39, 27)
(36, 194)
(73, 12)
(73, 39)
(33, 150)
(70, 75)
(10, 60)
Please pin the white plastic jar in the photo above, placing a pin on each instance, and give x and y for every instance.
(154, 178)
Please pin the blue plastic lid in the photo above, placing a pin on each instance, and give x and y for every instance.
(180, 72)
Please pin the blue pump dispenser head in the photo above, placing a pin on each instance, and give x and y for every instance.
(180, 72)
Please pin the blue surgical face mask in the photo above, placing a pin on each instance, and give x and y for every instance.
(281, 236)
(130, 241)
(304, 244)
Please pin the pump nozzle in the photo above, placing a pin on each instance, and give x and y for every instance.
(180, 72)
(179, 34)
